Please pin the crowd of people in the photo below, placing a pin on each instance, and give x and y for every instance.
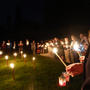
(69, 49)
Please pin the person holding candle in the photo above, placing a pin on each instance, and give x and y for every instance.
(73, 53)
(3, 47)
(33, 47)
(20, 45)
(67, 50)
(27, 46)
(81, 37)
(9, 47)
(78, 68)
(14, 46)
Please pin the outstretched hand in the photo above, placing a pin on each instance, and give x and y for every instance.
(74, 69)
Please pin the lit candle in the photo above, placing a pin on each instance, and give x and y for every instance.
(24, 55)
(76, 46)
(6, 57)
(8, 44)
(27, 42)
(15, 54)
(21, 52)
(62, 42)
(1, 52)
(33, 58)
(33, 62)
(55, 50)
(13, 71)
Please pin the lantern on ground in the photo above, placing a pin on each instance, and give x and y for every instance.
(21, 52)
(24, 56)
(6, 58)
(1, 52)
(13, 70)
(33, 62)
(33, 58)
(62, 81)
(15, 55)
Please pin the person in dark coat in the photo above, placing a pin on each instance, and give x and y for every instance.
(78, 68)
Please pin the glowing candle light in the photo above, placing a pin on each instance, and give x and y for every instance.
(33, 62)
(27, 42)
(13, 71)
(1, 52)
(12, 65)
(6, 57)
(56, 43)
(47, 44)
(21, 52)
(62, 42)
(62, 81)
(55, 50)
(76, 46)
(15, 55)
(24, 55)
(8, 44)
(33, 58)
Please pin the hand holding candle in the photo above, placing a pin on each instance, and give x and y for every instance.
(55, 50)
(74, 69)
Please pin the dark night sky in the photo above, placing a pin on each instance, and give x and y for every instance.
(43, 19)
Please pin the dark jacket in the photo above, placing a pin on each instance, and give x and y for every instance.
(86, 83)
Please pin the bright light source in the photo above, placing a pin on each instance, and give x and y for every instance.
(56, 43)
(62, 42)
(6, 57)
(27, 42)
(12, 65)
(8, 44)
(33, 58)
(47, 44)
(24, 55)
(1, 52)
(21, 52)
(76, 46)
(55, 50)
(15, 54)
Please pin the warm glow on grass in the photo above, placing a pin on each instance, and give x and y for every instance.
(12, 65)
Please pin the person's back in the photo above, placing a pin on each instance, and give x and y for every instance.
(86, 84)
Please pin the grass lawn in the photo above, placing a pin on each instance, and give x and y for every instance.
(42, 75)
